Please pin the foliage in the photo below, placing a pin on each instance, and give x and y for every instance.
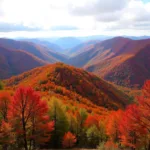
(58, 116)
(93, 136)
(28, 116)
(61, 126)
(68, 81)
(1, 85)
(69, 140)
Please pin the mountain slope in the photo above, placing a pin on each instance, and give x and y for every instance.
(50, 45)
(13, 62)
(109, 58)
(73, 83)
(82, 48)
(39, 51)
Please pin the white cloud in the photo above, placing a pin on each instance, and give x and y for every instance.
(88, 16)
(95, 7)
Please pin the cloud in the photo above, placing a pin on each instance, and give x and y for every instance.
(95, 7)
(58, 28)
(1, 11)
(135, 17)
(72, 15)
(109, 17)
(8, 27)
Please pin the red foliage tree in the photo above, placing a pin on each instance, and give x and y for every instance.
(69, 140)
(144, 106)
(134, 126)
(129, 127)
(28, 115)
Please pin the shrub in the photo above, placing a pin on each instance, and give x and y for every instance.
(1, 85)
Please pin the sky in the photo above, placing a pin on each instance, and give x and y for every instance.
(50, 18)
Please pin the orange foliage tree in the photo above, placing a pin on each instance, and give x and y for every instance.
(112, 125)
(69, 140)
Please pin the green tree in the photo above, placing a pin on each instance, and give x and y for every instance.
(93, 136)
(81, 131)
(58, 115)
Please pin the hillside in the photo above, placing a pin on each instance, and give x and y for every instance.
(14, 62)
(46, 43)
(73, 83)
(37, 50)
(119, 60)
(85, 46)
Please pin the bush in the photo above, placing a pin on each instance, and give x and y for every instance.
(43, 82)
(1, 85)
(59, 90)
(107, 146)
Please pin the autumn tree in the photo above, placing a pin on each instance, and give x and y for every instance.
(61, 126)
(135, 124)
(144, 111)
(69, 140)
(5, 99)
(92, 136)
(5, 127)
(81, 116)
(28, 115)
(6, 135)
(113, 124)
(129, 128)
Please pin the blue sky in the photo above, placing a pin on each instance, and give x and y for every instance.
(47, 18)
(146, 1)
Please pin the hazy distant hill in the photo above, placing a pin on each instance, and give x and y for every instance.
(67, 42)
(13, 62)
(37, 50)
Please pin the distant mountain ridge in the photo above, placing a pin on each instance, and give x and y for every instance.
(107, 59)
(19, 56)
(67, 42)
(38, 50)
(14, 62)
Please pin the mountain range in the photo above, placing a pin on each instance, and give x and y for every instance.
(121, 60)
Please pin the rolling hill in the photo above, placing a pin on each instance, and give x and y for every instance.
(85, 46)
(71, 83)
(119, 60)
(37, 50)
(14, 62)
(46, 43)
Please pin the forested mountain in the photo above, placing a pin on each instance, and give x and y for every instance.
(119, 60)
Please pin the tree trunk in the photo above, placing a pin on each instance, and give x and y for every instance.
(5, 147)
(24, 131)
(25, 137)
